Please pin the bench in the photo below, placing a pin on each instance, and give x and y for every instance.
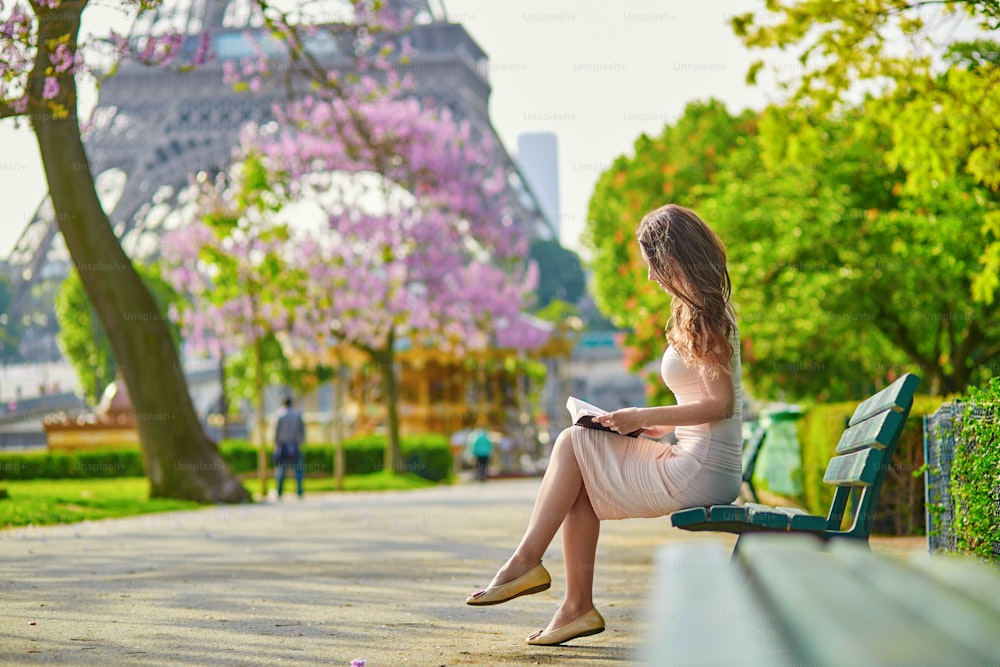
(799, 600)
(858, 469)
(751, 451)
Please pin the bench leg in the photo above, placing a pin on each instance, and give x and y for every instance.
(736, 548)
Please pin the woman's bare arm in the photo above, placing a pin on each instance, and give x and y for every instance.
(719, 403)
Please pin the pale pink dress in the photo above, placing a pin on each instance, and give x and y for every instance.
(644, 478)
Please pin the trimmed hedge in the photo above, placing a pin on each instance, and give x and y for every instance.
(72, 465)
(427, 455)
(975, 481)
(900, 508)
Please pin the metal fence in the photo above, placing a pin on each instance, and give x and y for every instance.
(939, 451)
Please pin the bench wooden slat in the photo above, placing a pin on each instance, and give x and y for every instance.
(877, 432)
(725, 518)
(768, 517)
(801, 520)
(749, 517)
(727, 513)
(830, 615)
(857, 469)
(897, 396)
(689, 517)
(698, 595)
(954, 614)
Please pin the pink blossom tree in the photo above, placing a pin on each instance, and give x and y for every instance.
(427, 251)
(416, 240)
(231, 261)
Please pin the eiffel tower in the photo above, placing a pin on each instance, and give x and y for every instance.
(153, 128)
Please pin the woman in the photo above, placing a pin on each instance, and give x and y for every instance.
(595, 475)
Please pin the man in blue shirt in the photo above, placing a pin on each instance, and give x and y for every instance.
(289, 434)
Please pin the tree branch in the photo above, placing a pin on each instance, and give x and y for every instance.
(897, 333)
(7, 111)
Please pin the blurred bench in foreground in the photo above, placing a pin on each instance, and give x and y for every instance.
(795, 600)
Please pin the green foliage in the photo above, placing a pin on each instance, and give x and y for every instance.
(82, 338)
(241, 371)
(557, 310)
(560, 274)
(123, 461)
(426, 455)
(944, 120)
(842, 277)
(900, 508)
(975, 485)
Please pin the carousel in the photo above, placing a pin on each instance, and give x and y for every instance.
(441, 391)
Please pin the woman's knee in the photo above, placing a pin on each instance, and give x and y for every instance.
(564, 439)
(563, 450)
(563, 445)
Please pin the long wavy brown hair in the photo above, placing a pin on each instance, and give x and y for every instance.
(689, 259)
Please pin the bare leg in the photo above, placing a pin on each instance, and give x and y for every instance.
(580, 531)
(561, 487)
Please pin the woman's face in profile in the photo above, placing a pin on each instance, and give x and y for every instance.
(653, 274)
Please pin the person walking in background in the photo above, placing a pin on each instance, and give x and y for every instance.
(289, 434)
(480, 446)
(595, 475)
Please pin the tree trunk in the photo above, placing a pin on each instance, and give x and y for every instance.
(390, 394)
(258, 391)
(180, 460)
(338, 415)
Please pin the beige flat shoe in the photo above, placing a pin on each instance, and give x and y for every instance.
(590, 623)
(535, 580)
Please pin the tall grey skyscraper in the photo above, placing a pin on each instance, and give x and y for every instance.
(538, 160)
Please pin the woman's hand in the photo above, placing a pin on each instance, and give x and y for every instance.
(625, 420)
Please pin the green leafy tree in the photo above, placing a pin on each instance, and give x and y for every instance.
(82, 338)
(842, 278)
(944, 121)
(560, 273)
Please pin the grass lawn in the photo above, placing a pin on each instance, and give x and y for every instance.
(43, 502)
(376, 481)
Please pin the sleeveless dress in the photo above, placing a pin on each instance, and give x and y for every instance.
(643, 478)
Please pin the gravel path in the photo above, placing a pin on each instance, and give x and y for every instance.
(380, 577)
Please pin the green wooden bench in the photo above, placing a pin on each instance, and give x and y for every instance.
(798, 600)
(858, 469)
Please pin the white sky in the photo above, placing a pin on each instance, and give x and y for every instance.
(596, 73)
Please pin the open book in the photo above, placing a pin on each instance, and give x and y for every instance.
(583, 413)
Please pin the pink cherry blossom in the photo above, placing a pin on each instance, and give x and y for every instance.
(51, 88)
